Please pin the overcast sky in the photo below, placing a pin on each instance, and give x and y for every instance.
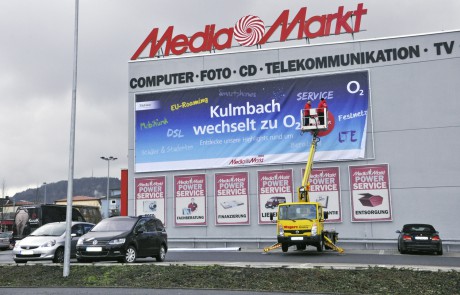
(36, 67)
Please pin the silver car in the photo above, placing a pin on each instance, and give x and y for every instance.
(47, 242)
(5, 240)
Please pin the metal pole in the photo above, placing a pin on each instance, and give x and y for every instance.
(108, 191)
(108, 159)
(68, 238)
(44, 201)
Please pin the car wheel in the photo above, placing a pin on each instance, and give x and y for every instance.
(59, 255)
(160, 257)
(403, 251)
(284, 247)
(439, 252)
(130, 255)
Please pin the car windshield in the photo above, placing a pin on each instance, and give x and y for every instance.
(295, 212)
(5, 235)
(124, 224)
(50, 229)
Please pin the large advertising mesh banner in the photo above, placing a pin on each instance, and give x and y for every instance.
(249, 124)
(150, 195)
(370, 193)
(232, 198)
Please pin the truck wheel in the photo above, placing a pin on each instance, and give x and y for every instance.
(284, 247)
(320, 245)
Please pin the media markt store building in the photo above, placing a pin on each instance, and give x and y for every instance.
(215, 141)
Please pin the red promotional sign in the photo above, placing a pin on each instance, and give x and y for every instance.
(231, 198)
(151, 196)
(190, 199)
(325, 189)
(275, 187)
(370, 193)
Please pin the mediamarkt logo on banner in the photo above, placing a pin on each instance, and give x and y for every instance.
(250, 30)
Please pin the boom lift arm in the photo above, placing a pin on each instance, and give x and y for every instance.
(303, 194)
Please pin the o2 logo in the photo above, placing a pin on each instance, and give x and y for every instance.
(354, 87)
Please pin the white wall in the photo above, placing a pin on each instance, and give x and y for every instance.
(416, 128)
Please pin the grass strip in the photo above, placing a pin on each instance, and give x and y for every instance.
(372, 280)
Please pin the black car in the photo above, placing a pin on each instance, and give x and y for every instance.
(419, 237)
(124, 239)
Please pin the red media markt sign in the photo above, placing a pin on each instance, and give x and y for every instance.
(250, 30)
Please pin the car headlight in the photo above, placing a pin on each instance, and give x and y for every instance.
(49, 243)
(117, 241)
(80, 241)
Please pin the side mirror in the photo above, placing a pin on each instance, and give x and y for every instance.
(326, 215)
(272, 216)
(398, 231)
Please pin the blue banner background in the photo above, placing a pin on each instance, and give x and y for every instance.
(179, 127)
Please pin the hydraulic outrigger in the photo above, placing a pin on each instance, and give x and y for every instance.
(300, 237)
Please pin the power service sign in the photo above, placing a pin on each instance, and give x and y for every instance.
(232, 198)
(370, 193)
(151, 196)
(325, 189)
(274, 188)
(249, 124)
(190, 199)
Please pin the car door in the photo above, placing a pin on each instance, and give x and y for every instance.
(142, 238)
(154, 236)
(76, 232)
(161, 233)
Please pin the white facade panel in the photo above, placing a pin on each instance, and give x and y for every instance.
(414, 128)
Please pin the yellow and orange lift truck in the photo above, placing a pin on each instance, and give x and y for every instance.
(301, 223)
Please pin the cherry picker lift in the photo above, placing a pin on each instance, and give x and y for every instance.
(301, 223)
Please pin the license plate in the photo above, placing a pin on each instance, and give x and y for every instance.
(93, 249)
(27, 252)
(421, 238)
(296, 238)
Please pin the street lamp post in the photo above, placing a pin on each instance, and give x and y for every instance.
(108, 159)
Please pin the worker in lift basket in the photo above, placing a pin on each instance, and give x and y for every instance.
(306, 113)
(322, 106)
